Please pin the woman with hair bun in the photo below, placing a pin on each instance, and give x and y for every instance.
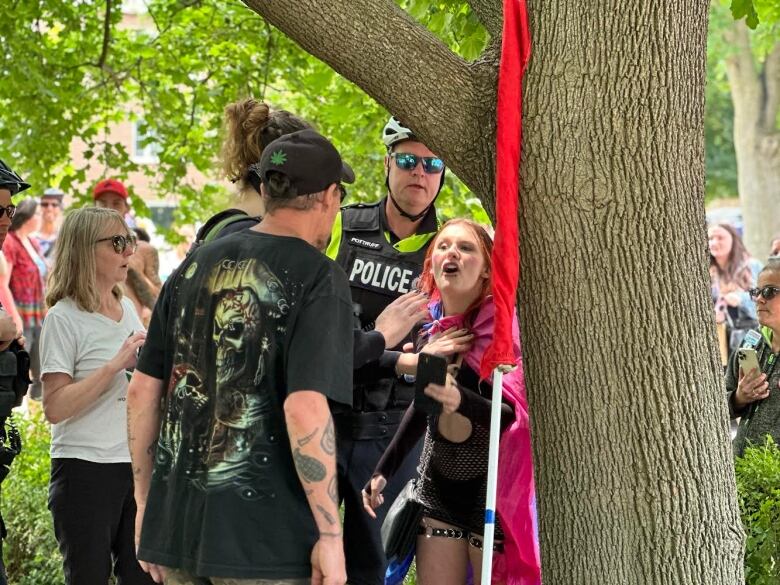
(249, 126)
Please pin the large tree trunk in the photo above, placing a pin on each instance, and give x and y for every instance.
(755, 91)
(633, 464)
(634, 467)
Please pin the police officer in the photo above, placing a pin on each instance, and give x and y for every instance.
(10, 184)
(381, 246)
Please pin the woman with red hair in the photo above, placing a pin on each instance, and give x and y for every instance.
(453, 467)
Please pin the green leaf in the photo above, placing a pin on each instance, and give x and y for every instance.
(746, 9)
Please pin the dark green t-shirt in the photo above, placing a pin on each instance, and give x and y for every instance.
(255, 318)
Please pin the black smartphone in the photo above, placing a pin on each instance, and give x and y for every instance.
(431, 369)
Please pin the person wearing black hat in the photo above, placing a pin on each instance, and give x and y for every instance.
(249, 348)
(10, 185)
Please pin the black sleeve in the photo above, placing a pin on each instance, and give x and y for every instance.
(477, 408)
(319, 357)
(152, 359)
(410, 430)
(369, 346)
(732, 380)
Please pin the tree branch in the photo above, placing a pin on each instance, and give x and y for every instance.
(772, 90)
(741, 70)
(490, 13)
(399, 79)
(106, 36)
(269, 45)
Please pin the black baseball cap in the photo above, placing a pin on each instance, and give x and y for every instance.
(307, 159)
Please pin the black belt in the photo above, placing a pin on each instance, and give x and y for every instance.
(368, 425)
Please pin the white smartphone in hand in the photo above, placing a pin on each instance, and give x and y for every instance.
(747, 360)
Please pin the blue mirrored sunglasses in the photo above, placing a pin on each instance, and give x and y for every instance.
(408, 161)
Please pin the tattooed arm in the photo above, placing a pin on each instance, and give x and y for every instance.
(152, 267)
(313, 442)
(143, 428)
(141, 287)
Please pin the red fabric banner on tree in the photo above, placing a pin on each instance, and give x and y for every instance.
(515, 52)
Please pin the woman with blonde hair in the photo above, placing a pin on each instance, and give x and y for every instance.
(249, 126)
(89, 343)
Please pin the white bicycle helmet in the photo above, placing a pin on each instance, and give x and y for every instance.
(395, 132)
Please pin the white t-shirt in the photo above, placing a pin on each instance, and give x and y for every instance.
(77, 343)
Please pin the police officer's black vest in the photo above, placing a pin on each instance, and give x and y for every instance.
(377, 272)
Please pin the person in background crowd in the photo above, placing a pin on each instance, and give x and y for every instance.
(453, 467)
(250, 125)
(89, 341)
(235, 476)
(10, 185)
(51, 218)
(774, 248)
(754, 396)
(142, 235)
(381, 247)
(22, 285)
(732, 273)
(143, 277)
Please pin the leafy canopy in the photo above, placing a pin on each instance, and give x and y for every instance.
(71, 70)
(755, 11)
(74, 69)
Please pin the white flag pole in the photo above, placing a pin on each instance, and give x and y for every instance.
(492, 479)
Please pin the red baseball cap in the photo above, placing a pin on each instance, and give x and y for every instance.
(110, 186)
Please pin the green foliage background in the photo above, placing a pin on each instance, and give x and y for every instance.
(30, 551)
(182, 62)
(187, 61)
(758, 485)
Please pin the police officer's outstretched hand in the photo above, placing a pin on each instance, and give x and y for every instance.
(397, 319)
(372, 494)
(327, 561)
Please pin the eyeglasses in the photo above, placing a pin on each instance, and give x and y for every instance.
(768, 292)
(121, 243)
(343, 192)
(10, 211)
(49, 204)
(408, 162)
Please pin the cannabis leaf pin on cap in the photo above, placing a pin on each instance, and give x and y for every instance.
(308, 160)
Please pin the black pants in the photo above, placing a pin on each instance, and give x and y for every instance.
(357, 458)
(94, 521)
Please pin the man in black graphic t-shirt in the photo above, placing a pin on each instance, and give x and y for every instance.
(249, 345)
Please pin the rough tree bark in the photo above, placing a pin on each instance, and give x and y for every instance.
(755, 91)
(632, 459)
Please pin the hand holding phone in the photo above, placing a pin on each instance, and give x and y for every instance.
(431, 369)
(748, 360)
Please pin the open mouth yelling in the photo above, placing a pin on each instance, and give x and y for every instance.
(449, 268)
